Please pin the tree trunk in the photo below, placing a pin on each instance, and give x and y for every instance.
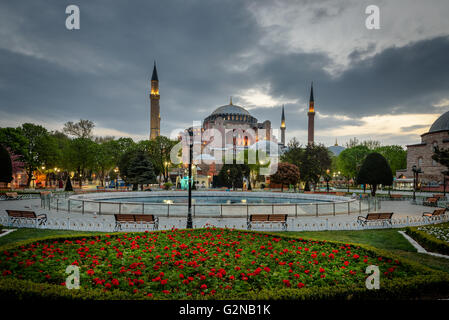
(29, 176)
(373, 190)
(306, 186)
(282, 187)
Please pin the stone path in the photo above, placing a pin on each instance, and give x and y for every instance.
(421, 249)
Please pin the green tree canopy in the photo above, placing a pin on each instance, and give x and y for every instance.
(350, 160)
(140, 170)
(375, 170)
(395, 155)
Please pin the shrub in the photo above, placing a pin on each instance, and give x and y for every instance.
(428, 241)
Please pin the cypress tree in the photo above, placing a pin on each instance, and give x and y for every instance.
(375, 170)
(5, 166)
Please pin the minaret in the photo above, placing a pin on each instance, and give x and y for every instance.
(311, 114)
(155, 115)
(283, 127)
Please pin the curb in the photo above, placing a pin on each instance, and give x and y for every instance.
(7, 231)
(419, 248)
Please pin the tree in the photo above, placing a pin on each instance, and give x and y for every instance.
(294, 153)
(315, 160)
(80, 157)
(68, 184)
(82, 129)
(140, 170)
(103, 159)
(231, 175)
(395, 155)
(251, 158)
(375, 170)
(286, 173)
(350, 160)
(13, 139)
(441, 156)
(37, 150)
(159, 152)
(5, 166)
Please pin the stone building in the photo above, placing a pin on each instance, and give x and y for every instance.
(420, 154)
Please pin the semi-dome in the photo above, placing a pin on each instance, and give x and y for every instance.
(230, 109)
(441, 124)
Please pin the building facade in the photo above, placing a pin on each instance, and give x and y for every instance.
(420, 154)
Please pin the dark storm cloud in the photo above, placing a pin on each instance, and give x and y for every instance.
(413, 128)
(398, 80)
(102, 71)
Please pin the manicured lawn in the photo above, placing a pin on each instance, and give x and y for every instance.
(23, 234)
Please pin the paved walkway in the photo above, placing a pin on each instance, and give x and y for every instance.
(404, 212)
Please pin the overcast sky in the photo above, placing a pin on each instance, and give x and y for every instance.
(388, 84)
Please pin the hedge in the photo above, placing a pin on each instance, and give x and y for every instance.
(429, 284)
(428, 241)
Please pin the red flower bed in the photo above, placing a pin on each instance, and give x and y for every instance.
(189, 263)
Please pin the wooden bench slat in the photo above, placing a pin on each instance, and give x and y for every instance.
(144, 217)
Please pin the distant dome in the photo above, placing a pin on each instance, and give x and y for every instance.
(231, 109)
(336, 150)
(441, 124)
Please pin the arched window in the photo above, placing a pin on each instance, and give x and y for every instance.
(419, 162)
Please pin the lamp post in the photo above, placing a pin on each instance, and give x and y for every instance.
(166, 171)
(189, 212)
(416, 172)
(116, 178)
(445, 173)
(327, 178)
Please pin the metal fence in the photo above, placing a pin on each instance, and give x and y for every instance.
(316, 209)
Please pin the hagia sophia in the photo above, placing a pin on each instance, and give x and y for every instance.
(240, 130)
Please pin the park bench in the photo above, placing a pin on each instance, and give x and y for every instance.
(384, 217)
(430, 202)
(395, 196)
(100, 188)
(340, 193)
(267, 219)
(436, 212)
(136, 219)
(17, 216)
(12, 196)
(439, 196)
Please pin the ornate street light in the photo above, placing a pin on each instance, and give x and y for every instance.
(327, 177)
(189, 212)
(416, 172)
(116, 178)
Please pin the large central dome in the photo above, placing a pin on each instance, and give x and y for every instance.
(231, 109)
(441, 124)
